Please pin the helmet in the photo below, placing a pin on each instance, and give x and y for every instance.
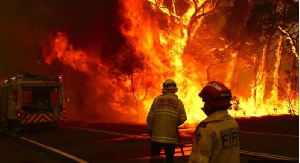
(169, 86)
(217, 94)
(11, 97)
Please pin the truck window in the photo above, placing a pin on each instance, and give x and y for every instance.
(40, 99)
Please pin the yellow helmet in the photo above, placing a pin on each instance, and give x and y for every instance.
(169, 86)
(11, 97)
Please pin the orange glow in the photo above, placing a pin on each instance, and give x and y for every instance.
(261, 80)
(161, 40)
(274, 91)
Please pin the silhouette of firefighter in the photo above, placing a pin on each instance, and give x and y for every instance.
(217, 138)
(166, 114)
(12, 112)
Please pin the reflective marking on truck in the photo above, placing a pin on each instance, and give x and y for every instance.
(46, 117)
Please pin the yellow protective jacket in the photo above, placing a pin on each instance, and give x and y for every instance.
(12, 111)
(166, 114)
(217, 140)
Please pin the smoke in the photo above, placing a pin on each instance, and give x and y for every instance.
(27, 33)
(103, 48)
(27, 25)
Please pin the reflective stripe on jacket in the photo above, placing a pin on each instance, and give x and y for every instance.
(217, 140)
(166, 113)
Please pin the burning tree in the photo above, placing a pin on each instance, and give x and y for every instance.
(275, 23)
(244, 44)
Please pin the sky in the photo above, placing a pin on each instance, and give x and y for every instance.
(27, 26)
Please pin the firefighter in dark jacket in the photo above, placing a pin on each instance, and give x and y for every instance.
(166, 114)
(217, 138)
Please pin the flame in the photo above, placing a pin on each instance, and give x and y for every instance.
(164, 50)
(274, 91)
(232, 66)
(160, 36)
(76, 58)
(261, 79)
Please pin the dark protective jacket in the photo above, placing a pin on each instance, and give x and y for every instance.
(217, 140)
(166, 114)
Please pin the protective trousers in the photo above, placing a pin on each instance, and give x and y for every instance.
(169, 150)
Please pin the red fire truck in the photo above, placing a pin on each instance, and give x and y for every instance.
(40, 99)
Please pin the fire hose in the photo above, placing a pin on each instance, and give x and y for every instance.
(180, 146)
(145, 138)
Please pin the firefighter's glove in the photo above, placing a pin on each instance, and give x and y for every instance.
(150, 133)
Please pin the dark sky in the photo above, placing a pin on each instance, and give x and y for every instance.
(27, 25)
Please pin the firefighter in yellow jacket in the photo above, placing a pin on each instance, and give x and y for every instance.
(217, 138)
(12, 111)
(166, 114)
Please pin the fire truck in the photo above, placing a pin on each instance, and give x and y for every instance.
(40, 99)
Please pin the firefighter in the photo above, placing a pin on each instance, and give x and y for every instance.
(13, 110)
(217, 138)
(166, 114)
